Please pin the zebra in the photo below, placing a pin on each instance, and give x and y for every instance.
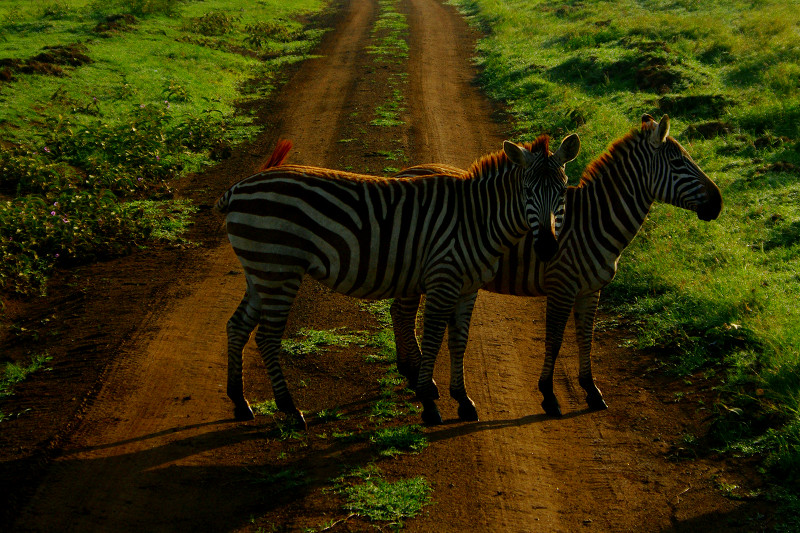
(602, 216)
(377, 238)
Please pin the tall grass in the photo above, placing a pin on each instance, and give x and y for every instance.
(103, 105)
(718, 296)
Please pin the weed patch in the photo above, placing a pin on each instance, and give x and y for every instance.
(13, 374)
(379, 500)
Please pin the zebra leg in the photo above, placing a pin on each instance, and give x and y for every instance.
(240, 325)
(268, 338)
(555, 322)
(438, 308)
(458, 331)
(404, 316)
(585, 309)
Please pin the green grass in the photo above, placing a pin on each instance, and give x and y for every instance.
(135, 95)
(14, 373)
(392, 441)
(721, 297)
(372, 497)
(310, 341)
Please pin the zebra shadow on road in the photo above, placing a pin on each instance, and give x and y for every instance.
(456, 428)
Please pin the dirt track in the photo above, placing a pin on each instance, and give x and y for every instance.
(155, 448)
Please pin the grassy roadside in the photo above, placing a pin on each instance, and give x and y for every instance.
(718, 298)
(104, 105)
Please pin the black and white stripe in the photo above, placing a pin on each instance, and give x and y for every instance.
(602, 216)
(373, 237)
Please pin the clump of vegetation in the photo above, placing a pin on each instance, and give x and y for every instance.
(95, 132)
(14, 373)
(391, 441)
(376, 499)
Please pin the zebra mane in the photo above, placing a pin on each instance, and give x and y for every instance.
(495, 160)
(595, 167)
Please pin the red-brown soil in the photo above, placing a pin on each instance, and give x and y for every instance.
(131, 429)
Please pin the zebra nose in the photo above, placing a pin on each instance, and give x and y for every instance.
(709, 211)
(545, 246)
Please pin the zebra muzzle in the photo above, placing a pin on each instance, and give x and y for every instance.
(545, 246)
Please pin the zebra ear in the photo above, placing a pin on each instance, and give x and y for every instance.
(568, 150)
(647, 119)
(663, 128)
(659, 132)
(517, 154)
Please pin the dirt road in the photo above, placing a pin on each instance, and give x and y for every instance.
(154, 447)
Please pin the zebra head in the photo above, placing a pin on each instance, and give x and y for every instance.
(544, 184)
(677, 178)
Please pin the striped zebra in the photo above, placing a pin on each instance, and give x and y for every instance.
(602, 215)
(372, 237)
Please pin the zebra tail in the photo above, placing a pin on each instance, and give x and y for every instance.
(278, 157)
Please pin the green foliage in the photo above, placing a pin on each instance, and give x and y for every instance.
(331, 415)
(94, 134)
(310, 341)
(14, 373)
(284, 480)
(380, 500)
(265, 407)
(391, 441)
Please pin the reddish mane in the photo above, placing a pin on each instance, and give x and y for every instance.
(498, 158)
(596, 166)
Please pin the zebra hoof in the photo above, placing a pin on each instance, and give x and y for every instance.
(467, 411)
(299, 421)
(596, 403)
(430, 414)
(243, 412)
(551, 407)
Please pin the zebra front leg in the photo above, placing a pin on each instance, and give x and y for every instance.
(458, 332)
(404, 317)
(438, 308)
(585, 310)
(240, 325)
(555, 322)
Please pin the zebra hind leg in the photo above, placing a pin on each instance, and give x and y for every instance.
(458, 332)
(404, 313)
(239, 327)
(556, 320)
(268, 339)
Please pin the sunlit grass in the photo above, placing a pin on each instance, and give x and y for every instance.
(143, 93)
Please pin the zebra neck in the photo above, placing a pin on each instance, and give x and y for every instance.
(617, 198)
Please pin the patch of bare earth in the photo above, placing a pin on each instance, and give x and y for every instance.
(131, 429)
